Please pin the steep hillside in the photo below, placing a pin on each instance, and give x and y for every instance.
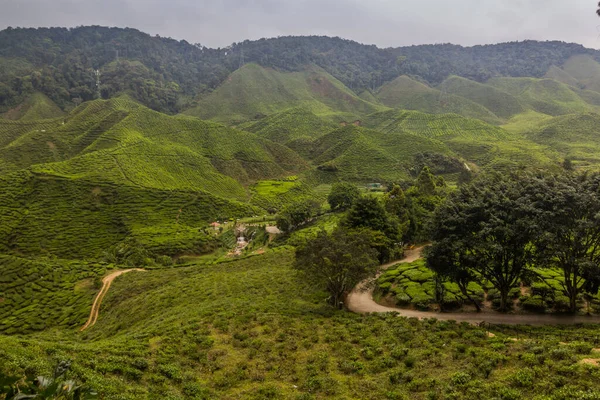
(561, 75)
(586, 70)
(473, 140)
(546, 96)
(116, 168)
(363, 155)
(253, 92)
(497, 101)
(575, 136)
(291, 125)
(37, 106)
(408, 94)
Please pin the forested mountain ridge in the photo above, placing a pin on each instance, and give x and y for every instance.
(167, 75)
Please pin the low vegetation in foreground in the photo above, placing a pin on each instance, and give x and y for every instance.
(249, 329)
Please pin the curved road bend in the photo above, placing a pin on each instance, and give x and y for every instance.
(360, 301)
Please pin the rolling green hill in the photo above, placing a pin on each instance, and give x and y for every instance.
(585, 69)
(253, 92)
(364, 155)
(575, 136)
(116, 168)
(406, 93)
(546, 96)
(473, 140)
(497, 101)
(291, 127)
(561, 75)
(37, 106)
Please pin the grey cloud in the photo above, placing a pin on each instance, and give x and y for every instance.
(382, 22)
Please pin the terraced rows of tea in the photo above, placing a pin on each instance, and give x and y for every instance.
(41, 294)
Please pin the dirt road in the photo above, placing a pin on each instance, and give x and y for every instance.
(106, 282)
(360, 301)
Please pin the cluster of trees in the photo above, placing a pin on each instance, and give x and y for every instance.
(372, 231)
(502, 229)
(166, 74)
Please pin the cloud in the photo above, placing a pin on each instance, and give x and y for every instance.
(382, 22)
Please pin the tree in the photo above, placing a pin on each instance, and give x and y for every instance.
(395, 204)
(487, 228)
(337, 261)
(426, 181)
(447, 260)
(368, 213)
(570, 219)
(342, 196)
(296, 214)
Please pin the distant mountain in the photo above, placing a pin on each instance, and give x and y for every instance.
(253, 92)
(167, 75)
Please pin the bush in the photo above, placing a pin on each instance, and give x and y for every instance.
(410, 361)
(534, 303)
(460, 378)
(522, 378)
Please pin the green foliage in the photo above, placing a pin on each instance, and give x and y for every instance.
(57, 387)
(297, 214)
(486, 229)
(40, 294)
(342, 196)
(337, 261)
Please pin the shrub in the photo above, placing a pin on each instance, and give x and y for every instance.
(410, 361)
(522, 378)
(534, 303)
(460, 378)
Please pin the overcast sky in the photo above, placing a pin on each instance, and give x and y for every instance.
(385, 23)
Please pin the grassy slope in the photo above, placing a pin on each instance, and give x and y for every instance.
(296, 125)
(121, 169)
(406, 93)
(497, 101)
(586, 70)
(253, 91)
(574, 136)
(561, 75)
(249, 329)
(364, 155)
(545, 96)
(37, 106)
(471, 139)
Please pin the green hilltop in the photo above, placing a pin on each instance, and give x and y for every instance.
(497, 101)
(253, 91)
(406, 93)
(35, 107)
(115, 167)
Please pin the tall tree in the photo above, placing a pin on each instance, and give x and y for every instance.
(570, 220)
(337, 261)
(342, 196)
(490, 225)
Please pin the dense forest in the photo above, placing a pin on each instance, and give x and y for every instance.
(167, 75)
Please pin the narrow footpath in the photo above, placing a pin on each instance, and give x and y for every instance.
(360, 301)
(106, 282)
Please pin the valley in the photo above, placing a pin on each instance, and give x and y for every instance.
(258, 191)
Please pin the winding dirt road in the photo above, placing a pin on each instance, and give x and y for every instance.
(360, 301)
(106, 282)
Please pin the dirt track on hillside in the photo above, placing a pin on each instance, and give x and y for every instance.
(106, 282)
(360, 301)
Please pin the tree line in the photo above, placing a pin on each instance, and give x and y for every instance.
(167, 75)
(505, 229)
(372, 230)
